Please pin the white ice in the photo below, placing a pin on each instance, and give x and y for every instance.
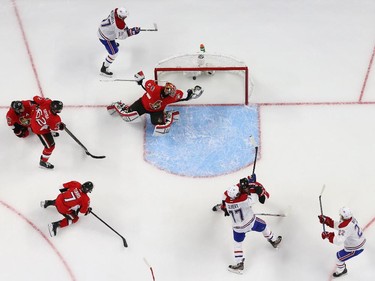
(309, 61)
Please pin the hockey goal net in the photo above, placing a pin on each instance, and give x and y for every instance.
(225, 79)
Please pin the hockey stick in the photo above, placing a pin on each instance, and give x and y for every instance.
(117, 80)
(150, 267)
(321, 207)
(151, 29)
(252, 141)
(123, 239)
(271, 215)
(77, 141)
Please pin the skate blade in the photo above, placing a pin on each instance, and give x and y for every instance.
(240, 272)
(106, 75)
(50, 230)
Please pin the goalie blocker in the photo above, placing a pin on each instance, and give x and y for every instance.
(153, 102)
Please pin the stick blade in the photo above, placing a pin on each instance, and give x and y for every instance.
(323, 188)
(95, 156)
(125, 243)
(155, 26)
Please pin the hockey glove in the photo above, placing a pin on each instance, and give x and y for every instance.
(62, 126)
(189, 94)
(252, 178)
(88, 211)
(133, 31)
(139, 77)
(326, 220)
(224, 209)
(197, 92)
(328, 235)
(20, 131)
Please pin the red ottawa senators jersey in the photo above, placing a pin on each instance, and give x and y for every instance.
(24, 117)
(152, 99)
(43, 120)
(72, 199)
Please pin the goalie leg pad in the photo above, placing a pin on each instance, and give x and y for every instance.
(129, 116)
(164, 129)
(111, 109)
(175, 114)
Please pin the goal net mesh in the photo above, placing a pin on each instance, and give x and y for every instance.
(225, 79)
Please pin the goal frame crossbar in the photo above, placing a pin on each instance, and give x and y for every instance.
(245, 69)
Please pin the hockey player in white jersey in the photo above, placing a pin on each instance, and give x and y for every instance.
(237, 203)
(110, 29)
(349, 233)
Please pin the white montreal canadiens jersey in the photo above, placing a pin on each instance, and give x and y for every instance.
(108, 29)
(351, 234)
(240, 211)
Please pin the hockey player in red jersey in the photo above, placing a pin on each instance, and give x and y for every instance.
(72, 200)
(19, 117)
(153, 102)
(349, 233)
(110, 29)
(45, 121)
(237, 203)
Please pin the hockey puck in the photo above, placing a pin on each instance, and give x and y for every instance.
(194, 77)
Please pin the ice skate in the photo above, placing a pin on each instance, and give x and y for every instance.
(46, 165)
(338, 273)
(276, 242)
(104, 71)
(237, 268)
(52, 228)
(44, 204)
(216, 208)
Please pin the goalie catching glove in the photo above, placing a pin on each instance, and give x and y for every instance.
(194, 93)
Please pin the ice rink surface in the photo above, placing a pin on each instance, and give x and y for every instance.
(312, 67)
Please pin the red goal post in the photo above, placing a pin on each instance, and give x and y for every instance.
(200, 66)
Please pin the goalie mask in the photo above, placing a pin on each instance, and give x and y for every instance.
(169, 90)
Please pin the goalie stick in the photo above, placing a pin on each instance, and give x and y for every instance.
(123, 239)
(150, 29)
(77, 141)
(117, 80)
(321, 207)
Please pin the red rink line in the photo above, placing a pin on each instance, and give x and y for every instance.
(25, 41)
(367, 75)
(61, 258)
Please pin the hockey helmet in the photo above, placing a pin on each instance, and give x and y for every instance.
(345, 213)
(56, 106)
(233, 191)
(169, 89)
(17, 106)
(122, 13)
(244, 182)
(87, 187)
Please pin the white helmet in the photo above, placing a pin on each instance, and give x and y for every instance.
(122, 13)
(345, 213)
(233, 192)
